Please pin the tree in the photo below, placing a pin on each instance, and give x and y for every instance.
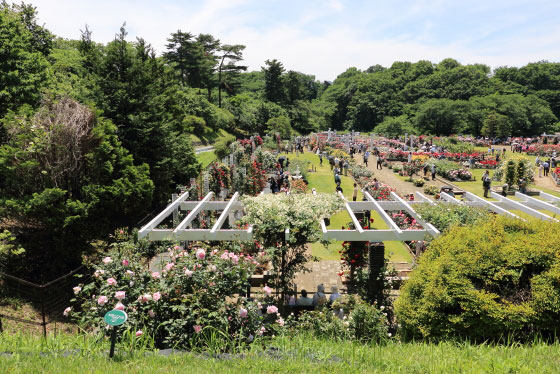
(185, 55)
(208, 62)
(274, 83)
(280, 125)
(496, 125)
(23, 66)
(62, 170)
(227, 69)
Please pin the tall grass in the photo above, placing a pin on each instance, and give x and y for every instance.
(300, 354)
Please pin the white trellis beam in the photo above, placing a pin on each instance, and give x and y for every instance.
(384, 216)
(548, 197)
(519, 206)
(422, 198)
(161, 216)
(536, 203)
(450, 199)
(428, 226)
(192, 215)
(478, 201)
(353, 217)
(224, 215)
(374, 235)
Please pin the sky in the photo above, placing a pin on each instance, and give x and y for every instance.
(324, 38)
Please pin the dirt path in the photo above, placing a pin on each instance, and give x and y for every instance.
(387, 176)
(545, 182)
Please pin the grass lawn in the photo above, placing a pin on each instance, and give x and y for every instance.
(323, 181)
(299, 354)
(210, 136)
(205, 158)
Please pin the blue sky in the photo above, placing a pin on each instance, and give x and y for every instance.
(324, 38)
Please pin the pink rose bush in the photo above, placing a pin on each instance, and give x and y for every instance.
(191, 289)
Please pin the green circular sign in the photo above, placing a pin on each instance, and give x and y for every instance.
(115, 317)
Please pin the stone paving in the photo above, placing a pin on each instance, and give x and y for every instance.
(322, 272)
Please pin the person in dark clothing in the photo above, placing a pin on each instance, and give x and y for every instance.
(273, 185)
(338, 188)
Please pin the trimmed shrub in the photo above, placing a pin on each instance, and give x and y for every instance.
(499, 279)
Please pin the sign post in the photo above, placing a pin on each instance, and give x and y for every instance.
(114, 318)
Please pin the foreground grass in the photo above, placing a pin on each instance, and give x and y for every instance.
(301, 354)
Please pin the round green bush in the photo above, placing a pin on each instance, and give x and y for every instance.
(498, 279)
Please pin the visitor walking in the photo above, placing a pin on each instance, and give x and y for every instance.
(486, 183)
(546, 168)
(355, 192)
(366, 156)
(433, 172)
(379, 162)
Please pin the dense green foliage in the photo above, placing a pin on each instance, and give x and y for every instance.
(445, 216)
(445, 98)
(497, 279)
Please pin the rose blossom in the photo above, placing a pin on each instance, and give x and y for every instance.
(130, 273)
(119, 295)
(111, 282)
(169, 266)
(139, 333)
(98, 273)
(188, 273)
(200, 254)
(102, 300)
(242, 312)
(267, 290)
(151, 313)
(197, 328)
(280, 321)
(145, 298)
(77, 290)
(67, 311)
(156, 275)
(157, 296)
(125, 262)
(271, 309)
(107, 260)
(119, 306)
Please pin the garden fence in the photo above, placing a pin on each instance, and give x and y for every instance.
(49, 299)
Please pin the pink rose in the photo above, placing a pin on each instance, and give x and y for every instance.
(224, 256)
(119, 295)
(242, 312)
(200, 254)
(188, 273)
(139, 333)
(125, 262)
(280, 321)
(107, 260)
(98, 273)
(111, 282)
(145, 298)
(197, 328)
(267, 290)
(151, 313)
(261, 331)
(67, 311)
(156, 275)
(130, 273)
(102, 300)
(157, 296)
(235, 260)
(119, 306)
(271, 309)
(169, 266)
(77, 290)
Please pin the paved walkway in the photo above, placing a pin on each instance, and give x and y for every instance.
(545, 182)
(322, 272)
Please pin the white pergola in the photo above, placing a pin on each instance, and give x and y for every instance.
(185, 232)
(526, 204)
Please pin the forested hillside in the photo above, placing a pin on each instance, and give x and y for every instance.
(94, 136)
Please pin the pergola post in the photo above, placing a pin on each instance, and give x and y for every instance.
(376, 252)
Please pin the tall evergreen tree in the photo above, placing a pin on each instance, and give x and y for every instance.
(274, 83)
(228, 71)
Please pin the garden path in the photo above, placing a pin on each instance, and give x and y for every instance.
(546, 182)
(322, 272)
(387, 176)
